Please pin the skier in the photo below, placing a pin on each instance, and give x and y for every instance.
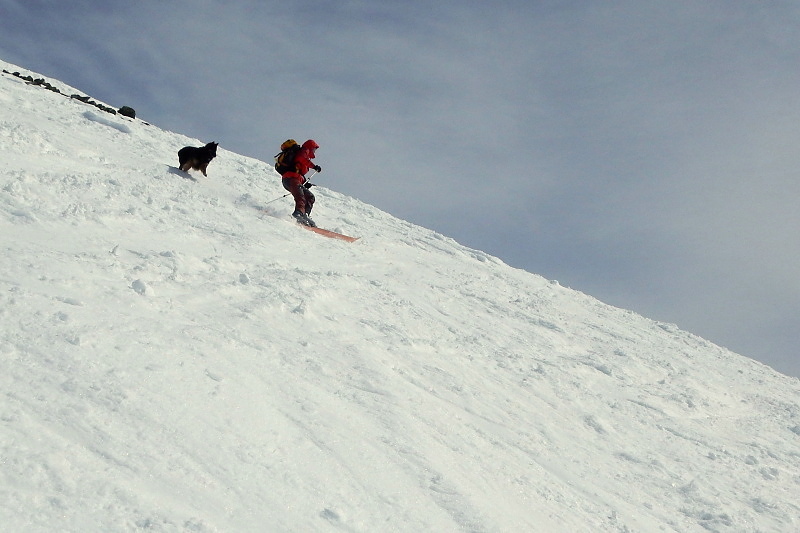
(294, 181)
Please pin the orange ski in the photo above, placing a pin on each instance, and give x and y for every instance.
(331, 234)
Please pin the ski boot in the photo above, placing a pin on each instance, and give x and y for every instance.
(303, 219)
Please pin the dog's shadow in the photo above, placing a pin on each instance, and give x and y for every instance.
(185, 175)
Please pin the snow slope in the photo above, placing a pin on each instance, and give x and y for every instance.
(174, 359)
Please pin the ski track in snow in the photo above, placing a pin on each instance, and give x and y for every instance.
(176, 360)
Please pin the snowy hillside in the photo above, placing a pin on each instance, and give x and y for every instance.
(174, 359)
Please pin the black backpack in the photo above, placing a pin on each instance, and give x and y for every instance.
(284, 160)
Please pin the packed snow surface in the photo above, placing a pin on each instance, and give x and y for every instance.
(178, 355)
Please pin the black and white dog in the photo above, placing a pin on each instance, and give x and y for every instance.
(193, 158)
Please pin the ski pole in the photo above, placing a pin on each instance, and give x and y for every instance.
(306, 179)
(278, 198)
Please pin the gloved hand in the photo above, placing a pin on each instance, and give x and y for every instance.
(317, 168)
(308, 185)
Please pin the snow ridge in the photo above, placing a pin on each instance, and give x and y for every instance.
(177, 360)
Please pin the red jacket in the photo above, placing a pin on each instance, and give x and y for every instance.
(302, 160)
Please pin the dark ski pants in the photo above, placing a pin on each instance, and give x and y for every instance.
(303, 198)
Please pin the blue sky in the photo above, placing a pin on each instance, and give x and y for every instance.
(642, 152)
